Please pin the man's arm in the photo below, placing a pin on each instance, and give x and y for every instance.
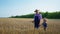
(40, 16)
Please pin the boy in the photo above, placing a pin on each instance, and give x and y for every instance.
(44, 24)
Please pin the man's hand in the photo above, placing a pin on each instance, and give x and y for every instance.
(32, 21)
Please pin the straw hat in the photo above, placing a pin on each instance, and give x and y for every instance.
(36, 10)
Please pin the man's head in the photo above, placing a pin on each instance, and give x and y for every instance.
(36, 11)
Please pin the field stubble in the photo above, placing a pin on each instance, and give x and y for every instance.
(25, 26)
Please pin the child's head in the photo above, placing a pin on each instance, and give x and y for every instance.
(44, 19)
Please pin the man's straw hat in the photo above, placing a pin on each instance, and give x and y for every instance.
(36, 10)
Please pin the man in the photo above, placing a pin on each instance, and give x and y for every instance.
(37, 19)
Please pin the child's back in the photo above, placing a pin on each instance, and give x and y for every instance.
(44, 23)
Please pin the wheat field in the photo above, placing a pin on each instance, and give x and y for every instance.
(25, 26)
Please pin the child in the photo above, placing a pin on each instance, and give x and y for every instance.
(44, 24)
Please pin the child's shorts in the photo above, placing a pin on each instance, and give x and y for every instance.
(44, 25)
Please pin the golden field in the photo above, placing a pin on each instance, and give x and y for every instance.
(25, 26)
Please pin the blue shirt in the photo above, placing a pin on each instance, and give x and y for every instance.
(39, 16)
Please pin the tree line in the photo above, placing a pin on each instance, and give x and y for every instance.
(49, 15)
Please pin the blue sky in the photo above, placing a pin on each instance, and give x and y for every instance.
(21, 7)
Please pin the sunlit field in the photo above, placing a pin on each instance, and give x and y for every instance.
(25, 26)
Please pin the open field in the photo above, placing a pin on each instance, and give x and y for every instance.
(25, 26)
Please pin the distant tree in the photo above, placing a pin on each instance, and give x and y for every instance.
(53, 15)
